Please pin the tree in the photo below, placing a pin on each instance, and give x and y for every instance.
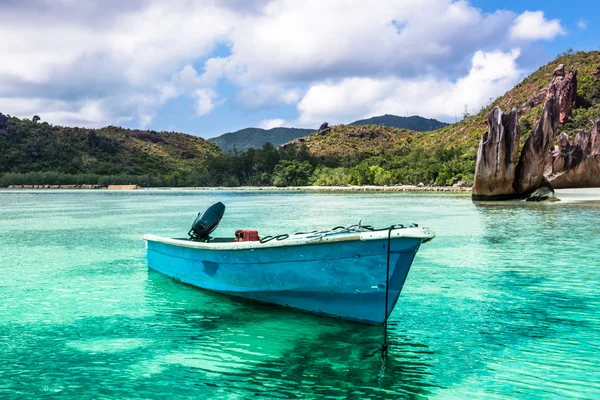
(292, 173)
(36, 119)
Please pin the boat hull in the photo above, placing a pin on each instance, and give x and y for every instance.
(345, 278)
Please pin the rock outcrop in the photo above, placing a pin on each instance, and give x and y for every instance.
(498, 177)
(569, 164)
(532, 163)
(564, 86)
(542, 165)
(497, 174)
(496, 157)
(542, 194)
(294, 142)
(533, 101)
(324, 129)
(575, 164)
(461, 184)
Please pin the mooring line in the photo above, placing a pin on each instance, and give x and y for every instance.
(384, 347)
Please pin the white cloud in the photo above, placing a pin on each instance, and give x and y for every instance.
(205, 101)
(531, 25)
(271, 123)
(491, 74)
(262, 95)
(121, 65)
(101, 62)
(91, 113)
(145, 120)
(581, 24)
(188, 78)
(297, 41)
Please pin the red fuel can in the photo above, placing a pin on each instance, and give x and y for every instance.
(246, 235)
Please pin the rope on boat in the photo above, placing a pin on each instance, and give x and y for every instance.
(338, 229)
(384, 347)
(356, 228)
(277, 237)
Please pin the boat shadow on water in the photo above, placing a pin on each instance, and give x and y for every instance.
(254, 347)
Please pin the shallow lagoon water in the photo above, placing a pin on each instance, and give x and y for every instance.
(504, 303)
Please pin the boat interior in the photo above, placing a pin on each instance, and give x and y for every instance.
(211, 240)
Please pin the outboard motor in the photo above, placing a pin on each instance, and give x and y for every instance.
(207, 222)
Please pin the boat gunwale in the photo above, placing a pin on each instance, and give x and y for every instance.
(299, 240)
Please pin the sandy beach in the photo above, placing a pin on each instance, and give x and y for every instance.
(565, 195)
(368, 188)
(578, 195)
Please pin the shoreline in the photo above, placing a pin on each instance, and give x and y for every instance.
(573, 195)
(355, 189)
(366, 188)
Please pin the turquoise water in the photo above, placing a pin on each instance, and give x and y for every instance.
(504, 303)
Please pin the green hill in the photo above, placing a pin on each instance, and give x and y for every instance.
(444, 155)
(247, 138)
(31, 146)
(413, 123)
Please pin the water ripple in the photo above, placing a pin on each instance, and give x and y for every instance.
(504, 303)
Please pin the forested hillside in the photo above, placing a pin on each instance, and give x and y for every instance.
(413, 123)
(33, 147)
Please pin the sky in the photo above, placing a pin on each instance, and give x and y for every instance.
(207, 67)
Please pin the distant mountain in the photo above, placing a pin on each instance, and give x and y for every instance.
(256, 137)
(414, 123)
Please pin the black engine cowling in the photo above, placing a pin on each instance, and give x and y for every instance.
(207, 222)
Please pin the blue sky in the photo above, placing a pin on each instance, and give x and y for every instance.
(208, 67)
(577, 17)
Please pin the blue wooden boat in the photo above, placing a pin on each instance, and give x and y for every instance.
(345, 272)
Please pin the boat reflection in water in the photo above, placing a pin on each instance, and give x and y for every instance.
(220, 344)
